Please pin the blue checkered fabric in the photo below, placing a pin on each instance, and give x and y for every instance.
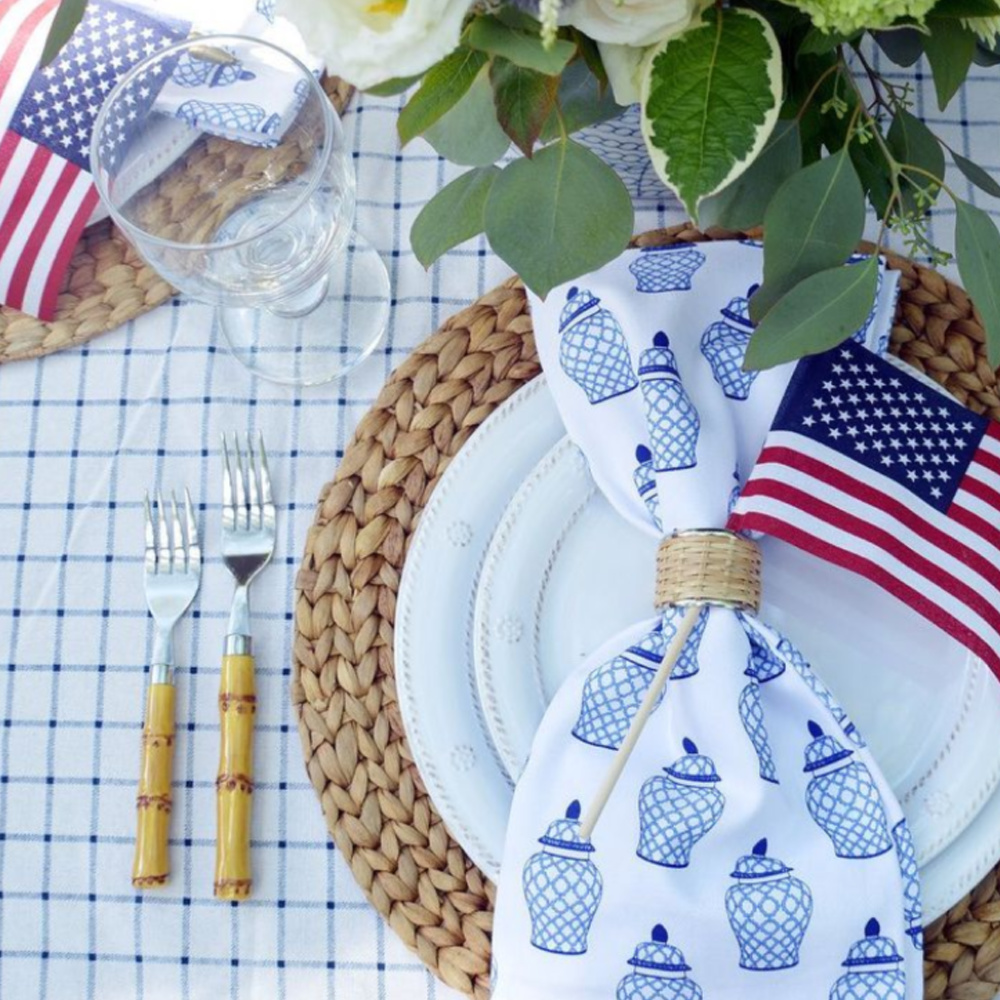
(84, 434)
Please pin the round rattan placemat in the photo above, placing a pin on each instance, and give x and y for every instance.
(107, 283)
(343, 689)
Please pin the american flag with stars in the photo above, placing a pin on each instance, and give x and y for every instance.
(868, 467)
(47, 113)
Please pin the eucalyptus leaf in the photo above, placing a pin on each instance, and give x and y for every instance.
(581, 101)
(523, 48)
(559, 215)
(469, 133)
(68, 15)
(976, 175)
(743, 204)
(977, 251)
(455, 214)
(813, 222)
(950, 47)
(444, 85)
(817, 314)
(874, 172)
(817, 42)
(710, 98)
(591, 56)
(912, 142)
(524, 99)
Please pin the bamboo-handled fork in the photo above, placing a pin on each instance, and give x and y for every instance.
(172, 572)
(248, 530)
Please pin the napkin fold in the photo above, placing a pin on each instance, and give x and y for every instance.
(752, 847)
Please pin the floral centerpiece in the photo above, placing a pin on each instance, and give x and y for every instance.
(754, 112)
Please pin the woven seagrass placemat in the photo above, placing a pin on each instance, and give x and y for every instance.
(107, 283)
(343, 689)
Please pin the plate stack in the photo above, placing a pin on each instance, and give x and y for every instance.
(494, 612)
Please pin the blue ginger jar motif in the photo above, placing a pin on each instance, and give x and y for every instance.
(860, 336)
(192, 71)
(844, 800)
(752, 717)
(734, 493)
(906, 855)
(724, 345)
(678, 808)
(614, 691)
(769, 910)
(671, 416)
(593, 350)
(666, 269)
(792, 655)
(645, 483)
(874, 969)
(266, 9)
(224, 118)
(660, 972)
(562, 887)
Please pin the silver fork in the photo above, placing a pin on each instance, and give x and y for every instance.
(248, 531)
(172, 572)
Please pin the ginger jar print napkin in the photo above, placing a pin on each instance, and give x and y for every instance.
(752, 848)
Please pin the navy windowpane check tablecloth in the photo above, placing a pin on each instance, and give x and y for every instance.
(83, 434)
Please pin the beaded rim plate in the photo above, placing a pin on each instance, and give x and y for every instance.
(558, 529)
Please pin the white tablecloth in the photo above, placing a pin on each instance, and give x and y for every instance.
(83, 434)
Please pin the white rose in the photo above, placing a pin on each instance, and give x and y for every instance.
(370, 41)
(631, 22)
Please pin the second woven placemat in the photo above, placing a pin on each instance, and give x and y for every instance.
(107, 283)
(343, 689)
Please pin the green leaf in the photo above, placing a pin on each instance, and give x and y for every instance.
(523, 48)
(524, 100)
(912, 142)
(68, 16)
(814, 222)
(710, 98)
(455, 214)
(950, 48)
(591, 55)
(818, 42)
(557, 216)
(397, 85)
(469, 134)
(444, 86)
(875, 174)
(581, 101)
(965, 8)
(977, 250)
(976, 175)
(903, 46)
(817, 314)
(743, 204)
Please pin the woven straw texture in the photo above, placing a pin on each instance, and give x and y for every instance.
(713, 567)
(107, 283)
(343, 688)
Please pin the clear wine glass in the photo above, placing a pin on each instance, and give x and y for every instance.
(223, 161)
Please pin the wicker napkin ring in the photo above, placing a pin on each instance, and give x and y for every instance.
(708, 566)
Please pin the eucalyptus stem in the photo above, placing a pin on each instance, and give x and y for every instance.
(835, 68)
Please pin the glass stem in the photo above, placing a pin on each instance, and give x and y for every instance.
(300, 303)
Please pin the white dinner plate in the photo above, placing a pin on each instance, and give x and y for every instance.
(542, 549)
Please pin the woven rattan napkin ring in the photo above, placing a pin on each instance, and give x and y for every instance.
(710, 566)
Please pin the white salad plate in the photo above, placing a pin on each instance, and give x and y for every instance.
(506, 590)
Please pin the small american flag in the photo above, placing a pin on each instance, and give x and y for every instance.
(47, 114)
(869, 468)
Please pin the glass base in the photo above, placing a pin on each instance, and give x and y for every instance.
(324, 332)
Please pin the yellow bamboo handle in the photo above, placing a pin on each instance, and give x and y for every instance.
(151, 866)
(234, 785)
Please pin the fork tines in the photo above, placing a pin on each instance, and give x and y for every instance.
(246, 485)
(171, 544)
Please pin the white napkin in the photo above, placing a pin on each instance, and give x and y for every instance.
(752, 848)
